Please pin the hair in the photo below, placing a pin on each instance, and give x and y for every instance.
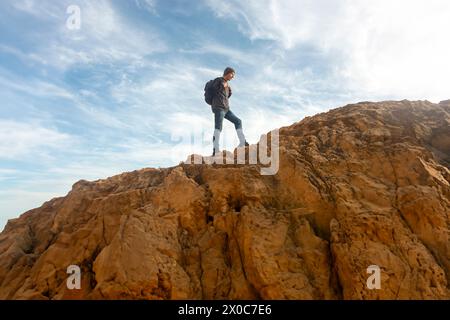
(228, 70)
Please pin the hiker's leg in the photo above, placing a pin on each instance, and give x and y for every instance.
(219, 114)
(235, 120)
(216, 139)
(238, 125)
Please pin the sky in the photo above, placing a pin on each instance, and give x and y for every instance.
(123, 89)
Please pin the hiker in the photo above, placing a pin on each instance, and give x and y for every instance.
(220, 93)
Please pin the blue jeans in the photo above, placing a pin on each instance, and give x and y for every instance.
(220, 113)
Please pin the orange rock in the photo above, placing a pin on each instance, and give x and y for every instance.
(361, 185)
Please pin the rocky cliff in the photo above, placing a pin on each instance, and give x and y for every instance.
(362, 185)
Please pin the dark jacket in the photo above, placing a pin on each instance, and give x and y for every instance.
(221, 95)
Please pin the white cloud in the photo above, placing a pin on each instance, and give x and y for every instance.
(289, 22)
(18, 139)
(149, 5)
(105, 35)
(234, 55)
(164, 88)
(25, 57)
(384, 48)
(38, 9)
(32, 86)
(7, 174)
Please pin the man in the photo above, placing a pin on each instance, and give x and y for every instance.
(221, 109)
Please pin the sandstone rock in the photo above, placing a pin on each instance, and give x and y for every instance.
(365, 184)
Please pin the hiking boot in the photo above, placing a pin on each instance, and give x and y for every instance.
(246, 144)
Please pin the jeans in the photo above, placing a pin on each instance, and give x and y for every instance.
(220, 113)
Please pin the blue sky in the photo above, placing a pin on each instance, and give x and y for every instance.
(125, 91)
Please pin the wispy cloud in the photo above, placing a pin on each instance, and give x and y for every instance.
(234, 55)
(32, 86)
(149, 5)
(105, 35)
(384, 48)
(18, 139)
(38, 9)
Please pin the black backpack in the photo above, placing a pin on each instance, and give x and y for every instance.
(209, 91)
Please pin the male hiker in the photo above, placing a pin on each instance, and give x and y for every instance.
(219, 92)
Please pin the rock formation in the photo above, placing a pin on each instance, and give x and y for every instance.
(361, 185)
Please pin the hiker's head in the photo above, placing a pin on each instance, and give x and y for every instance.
(228, 74)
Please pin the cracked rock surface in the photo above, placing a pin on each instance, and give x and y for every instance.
(361, 185)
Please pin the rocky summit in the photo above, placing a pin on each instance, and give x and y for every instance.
(358, 209)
